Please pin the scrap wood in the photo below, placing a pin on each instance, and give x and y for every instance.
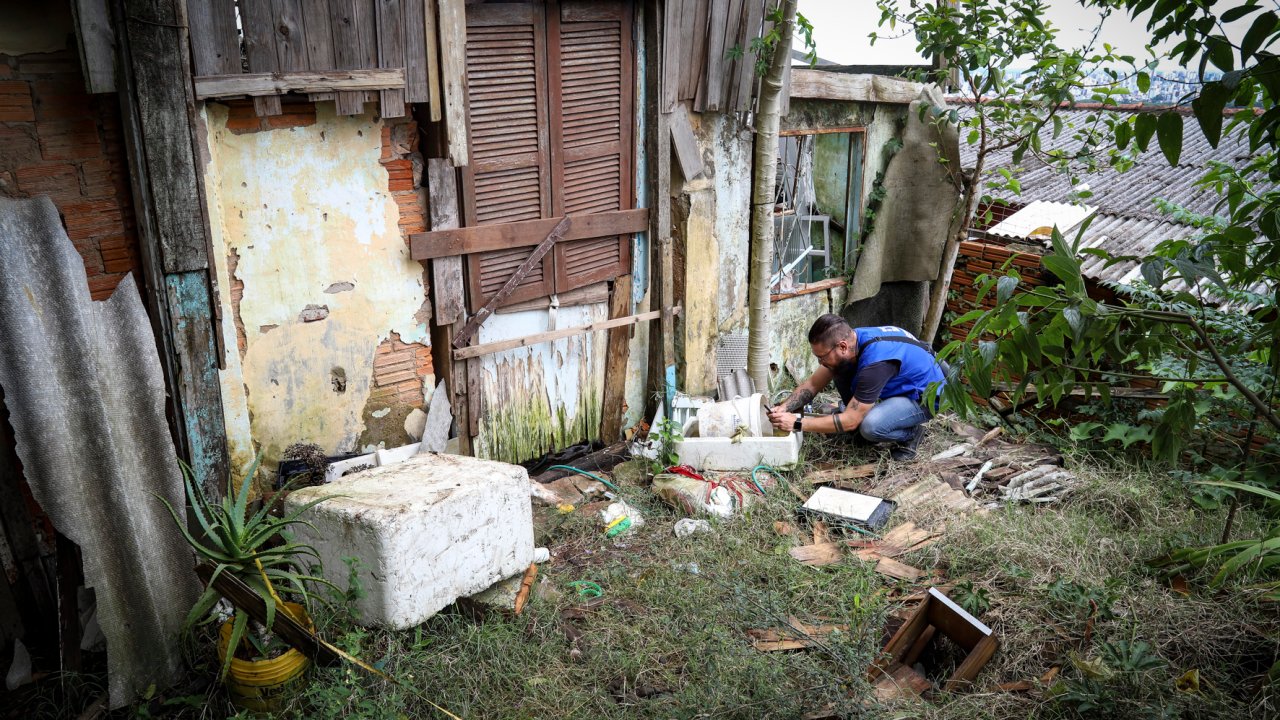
(901, 682)
(795, 635)
(821, 534)
(953, 451)
(526, 584)
(894, 569)
(992, 435)
(817, 555)
(782, 527)
(854, 472)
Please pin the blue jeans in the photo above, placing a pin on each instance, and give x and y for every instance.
(893, 420)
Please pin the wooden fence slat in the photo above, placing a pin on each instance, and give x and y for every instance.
(729, 64)
(260, 48)
(746, 80)
(319, 35)
(262, 84)
(714, 75)
(215, 46)
(672, 54)
(390, 24)
(453, 73)
(290, 32)
(433, 61)
(344, 23)
(698, 57)
(415, 52)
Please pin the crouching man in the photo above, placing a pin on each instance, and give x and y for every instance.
(882, 374)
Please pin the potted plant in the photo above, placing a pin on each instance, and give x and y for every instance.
(258, 667)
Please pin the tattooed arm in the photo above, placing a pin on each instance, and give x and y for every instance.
(805, 392)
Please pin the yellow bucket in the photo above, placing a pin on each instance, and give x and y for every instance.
(262, 685)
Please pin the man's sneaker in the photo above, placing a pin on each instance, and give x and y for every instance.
(907, 450)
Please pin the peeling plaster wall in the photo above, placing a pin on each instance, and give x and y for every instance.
(302, 210)
(789, 321)
(546, 396)
(713, 237)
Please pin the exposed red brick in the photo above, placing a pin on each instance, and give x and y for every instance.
(69, 139)
(5, 70)
(93, 218)
(101, 286)
(15, 102)
(59, 182)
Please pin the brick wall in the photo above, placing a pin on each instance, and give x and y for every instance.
(978, 258)
(56, 140)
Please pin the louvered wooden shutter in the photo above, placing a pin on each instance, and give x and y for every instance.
(508, 179)
(591, 80)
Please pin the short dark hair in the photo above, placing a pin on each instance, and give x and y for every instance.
(829, 330)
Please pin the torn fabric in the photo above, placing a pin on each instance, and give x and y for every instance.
(920, 202)
(86, 398)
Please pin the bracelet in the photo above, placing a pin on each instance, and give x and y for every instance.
(835, 418)
(799, 420)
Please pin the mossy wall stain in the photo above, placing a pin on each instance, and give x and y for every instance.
(305, 208)
(543, 397)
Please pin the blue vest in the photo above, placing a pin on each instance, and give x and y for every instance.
(917, 366)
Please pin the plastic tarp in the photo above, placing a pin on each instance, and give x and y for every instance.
(86, 398)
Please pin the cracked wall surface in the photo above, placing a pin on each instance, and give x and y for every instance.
(308, 220)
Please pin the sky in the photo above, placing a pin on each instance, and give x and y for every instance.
(841, 28)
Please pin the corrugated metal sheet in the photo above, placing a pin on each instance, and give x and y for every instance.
(86, 399)
(1041, 214)
(1128, 221)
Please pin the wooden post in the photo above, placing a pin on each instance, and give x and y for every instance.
(158, 109)
(447, 296)
(616, 360)
(662, 356)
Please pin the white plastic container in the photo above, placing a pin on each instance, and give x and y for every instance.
(722, 419)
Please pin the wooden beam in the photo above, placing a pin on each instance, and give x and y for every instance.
(278, 83)
(390, 23)
(96, 43)
(453, 71)
(685, 143)
(662, 358)
(616, 359)
(500, 345)
(556, 234)
(823, 85)
(433, 62)
(503, 236)
(447, 293)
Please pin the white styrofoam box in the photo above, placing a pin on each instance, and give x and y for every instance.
(779, 451)
(427, 531)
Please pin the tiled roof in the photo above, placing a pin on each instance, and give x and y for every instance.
(1128, 222)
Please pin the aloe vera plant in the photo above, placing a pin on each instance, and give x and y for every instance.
(247, 548)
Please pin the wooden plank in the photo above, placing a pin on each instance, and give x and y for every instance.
(391, 19)
(262, 84)
(823, 85)
(747, 79)
(453, 71)
(902, 641)
(587, 295)
(500, 345)
(448, 294)
(670, 57)
(918, 647)
(247, 599)
(96, 42)
(852, 472)
(617, 359)
(431, 20)
(662, 361)
(260, 48)
(727, 74)
(713, 75)
(694, 25)
(685, 143)
(556, 234)
(474, 396)
(973, 664)
(319, 37)
(894, 569)
(902, 682)
(415, 52)
(954, 622)
(349, 38)
(818, 554)
(215, 44)
(502, 236)
(290, 31)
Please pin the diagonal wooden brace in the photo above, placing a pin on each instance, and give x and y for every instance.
(493, 302)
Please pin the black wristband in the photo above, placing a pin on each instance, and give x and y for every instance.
(796, 426)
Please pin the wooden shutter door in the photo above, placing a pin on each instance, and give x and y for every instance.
(591, 81)
(508, 178)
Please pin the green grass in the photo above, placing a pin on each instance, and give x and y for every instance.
(665, 642)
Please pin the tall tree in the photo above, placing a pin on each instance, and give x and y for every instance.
(764, 177)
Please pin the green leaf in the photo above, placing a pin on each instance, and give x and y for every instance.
(1169, 133)
(1208, 107)
(1075, 320)
(1067, 270)
(1144, 82)
(1005, 287)
(1082, 431)
(1122, 135)
(1270, 495)
(1144, 126)
(1262, 27)
(1220, 53)
(1153, 272)
(1235, 13)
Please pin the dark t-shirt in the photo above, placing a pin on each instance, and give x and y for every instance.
(869, 381)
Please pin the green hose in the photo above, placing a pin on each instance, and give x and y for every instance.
(597, 478)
